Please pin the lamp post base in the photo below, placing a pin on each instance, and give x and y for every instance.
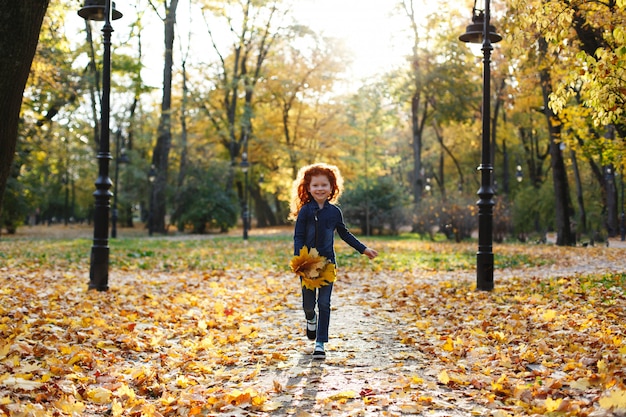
(99, 271)
(484, 271)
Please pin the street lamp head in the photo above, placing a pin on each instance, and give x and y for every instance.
(474, 31)
(519, 176)
(124, 159)
(152, 174)
(95, 10)
(244, 162)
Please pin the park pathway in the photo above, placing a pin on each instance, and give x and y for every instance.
(376, 365)
(368, 370)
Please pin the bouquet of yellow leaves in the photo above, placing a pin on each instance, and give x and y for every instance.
(315, 270)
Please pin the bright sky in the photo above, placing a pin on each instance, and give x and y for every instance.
(368, 27)
(376, 38)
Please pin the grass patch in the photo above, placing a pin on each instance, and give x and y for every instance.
(176, 254)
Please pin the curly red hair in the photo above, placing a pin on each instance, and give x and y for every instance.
(300, 190)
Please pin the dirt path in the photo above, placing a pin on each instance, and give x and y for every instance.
(369, 370)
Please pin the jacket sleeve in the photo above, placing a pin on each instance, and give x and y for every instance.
(345, 234)
(299, 232)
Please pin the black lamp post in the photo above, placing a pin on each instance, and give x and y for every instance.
(245, 165)
(481, 31)
(519, 176)
(151, 178)
(100, 10)
(120, 158)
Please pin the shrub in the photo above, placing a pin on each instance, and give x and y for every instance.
(383, 199)
(202, 202)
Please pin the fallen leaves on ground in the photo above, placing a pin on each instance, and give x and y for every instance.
(187, 343)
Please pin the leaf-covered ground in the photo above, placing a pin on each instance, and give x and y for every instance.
(214, 327)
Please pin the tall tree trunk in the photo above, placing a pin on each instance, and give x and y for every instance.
(559, 174)
(419, 108)
(612, 222)
(582, 217)
(20, 24)
(416, 135)
(160, 156)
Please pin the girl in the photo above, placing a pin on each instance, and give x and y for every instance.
(315, 192)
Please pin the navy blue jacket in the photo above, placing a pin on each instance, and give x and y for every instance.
(315, 228)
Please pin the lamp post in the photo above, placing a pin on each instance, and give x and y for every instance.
(100, 10)
(519, 176)
(481, 31)
(120, 158)
(245, 165)
(151, 178)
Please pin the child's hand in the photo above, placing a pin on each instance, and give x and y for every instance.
(370, 253)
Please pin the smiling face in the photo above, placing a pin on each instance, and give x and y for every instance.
(320, 189)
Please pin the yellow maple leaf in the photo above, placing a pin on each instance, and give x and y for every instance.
(4, 350)
(344, 395)
(69, 405)
(449, 345)
(325, 277)
(417, 380)
(307, 263)
(443, 377)
(99, 395)
(615, 400)
(124, 391)
(116, 408)
(552, 405)
(549, 315)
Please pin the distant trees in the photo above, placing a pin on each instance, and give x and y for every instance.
(255, 86)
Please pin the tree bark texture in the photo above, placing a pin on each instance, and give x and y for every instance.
(20, 24)
(565, 237)
(160, 156)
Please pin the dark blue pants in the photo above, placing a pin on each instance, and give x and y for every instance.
(321, 296)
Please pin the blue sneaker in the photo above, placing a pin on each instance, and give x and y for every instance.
(318, 352)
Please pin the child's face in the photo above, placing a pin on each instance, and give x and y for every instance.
(320, 188)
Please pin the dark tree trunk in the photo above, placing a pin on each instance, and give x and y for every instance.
(20, 24)
(582, 217)
(160, 156)
(565, 237)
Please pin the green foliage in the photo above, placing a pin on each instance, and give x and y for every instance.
(13, 206)
(532, 210)
(203, 203)
(384, 200)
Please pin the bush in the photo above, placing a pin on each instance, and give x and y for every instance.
(13, 206)
(454, 217)
(203, 203)
(533, 211)
(384, 200)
